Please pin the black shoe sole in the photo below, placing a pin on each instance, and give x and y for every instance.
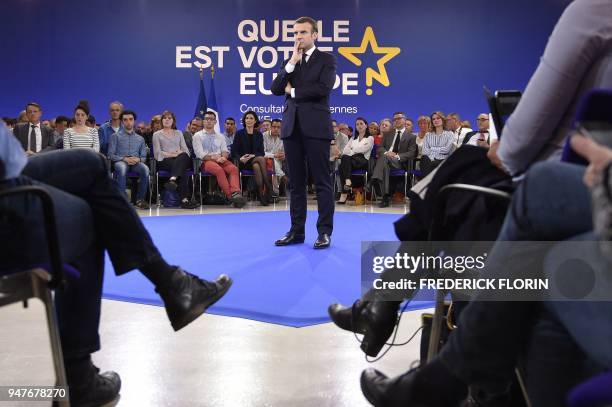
(321, 247)
(290, 243)
(200, 309)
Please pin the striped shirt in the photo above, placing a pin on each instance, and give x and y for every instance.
(90, 139)
(439, 146)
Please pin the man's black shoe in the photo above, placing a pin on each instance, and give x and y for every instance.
(88, 388)
(238, 201)
(385, 202)
(382, 391)
(323, 241)
(188, 296)
(374, 319)
(190, 204)
(290, 238)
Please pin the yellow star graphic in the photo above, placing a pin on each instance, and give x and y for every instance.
(388, 52)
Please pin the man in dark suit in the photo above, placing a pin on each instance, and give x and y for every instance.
(306, 80)
(481, 137)
(398, 146)
(33, 136)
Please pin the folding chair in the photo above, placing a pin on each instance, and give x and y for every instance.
(166, 174)
(197, 168)
(23, 284)
(249, 173)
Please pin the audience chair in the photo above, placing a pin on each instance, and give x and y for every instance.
(197, 168)
(38, 281)
(166, 174)
(595, 392)
(249, 173)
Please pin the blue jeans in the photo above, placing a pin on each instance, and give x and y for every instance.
(551, 204)
(122, 168)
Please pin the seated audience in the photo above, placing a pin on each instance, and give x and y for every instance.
(535, 132)
(81, 135)
(110, 127)
(114, 227)
(438, 145)
(336, 147)
(275, 151)
(397, 148)
(480, 138)
(195, 125)
(483, 351)
(424, 123)
(154, 126)
(409, 126)
(385, 125)
(248, 150)
(61, 124)
(454, 124)
(375, 133)
(229, 132)
(91, 121)
(209, 146)
(264, 126)
(33, 136)
(344, 129)
(23, 117)
(128, 152)
(141, 128)
(355, 156)
(172, 155)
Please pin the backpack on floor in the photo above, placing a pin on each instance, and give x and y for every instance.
(170, 198)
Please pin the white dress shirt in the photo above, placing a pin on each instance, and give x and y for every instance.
(289, 67)
(38, 145)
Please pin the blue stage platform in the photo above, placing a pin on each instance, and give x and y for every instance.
(283, 285)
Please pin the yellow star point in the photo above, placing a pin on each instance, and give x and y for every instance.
(387, 52)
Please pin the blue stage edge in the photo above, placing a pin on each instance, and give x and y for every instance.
(282, 285)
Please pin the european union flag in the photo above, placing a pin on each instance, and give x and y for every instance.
(201, 106)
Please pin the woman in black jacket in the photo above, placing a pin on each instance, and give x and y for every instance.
(248, 149)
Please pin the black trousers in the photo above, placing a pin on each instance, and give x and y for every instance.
(301, 150)
(93, 215)
(351, 163)
(428, 165)
(177, 166)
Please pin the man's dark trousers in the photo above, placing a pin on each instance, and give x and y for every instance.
(300, 150)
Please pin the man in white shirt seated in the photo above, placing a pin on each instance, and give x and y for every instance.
(398, 146)
(482, 137)
(273, 147)
(33, 135)
(454, 124)
(209, 146)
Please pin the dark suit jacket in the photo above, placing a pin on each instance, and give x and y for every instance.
(471, 134)
(407, 149)
(313, 83)
(240, 146)
(22, 132)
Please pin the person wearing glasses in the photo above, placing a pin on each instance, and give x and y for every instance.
(481, 137)
(398, 146)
